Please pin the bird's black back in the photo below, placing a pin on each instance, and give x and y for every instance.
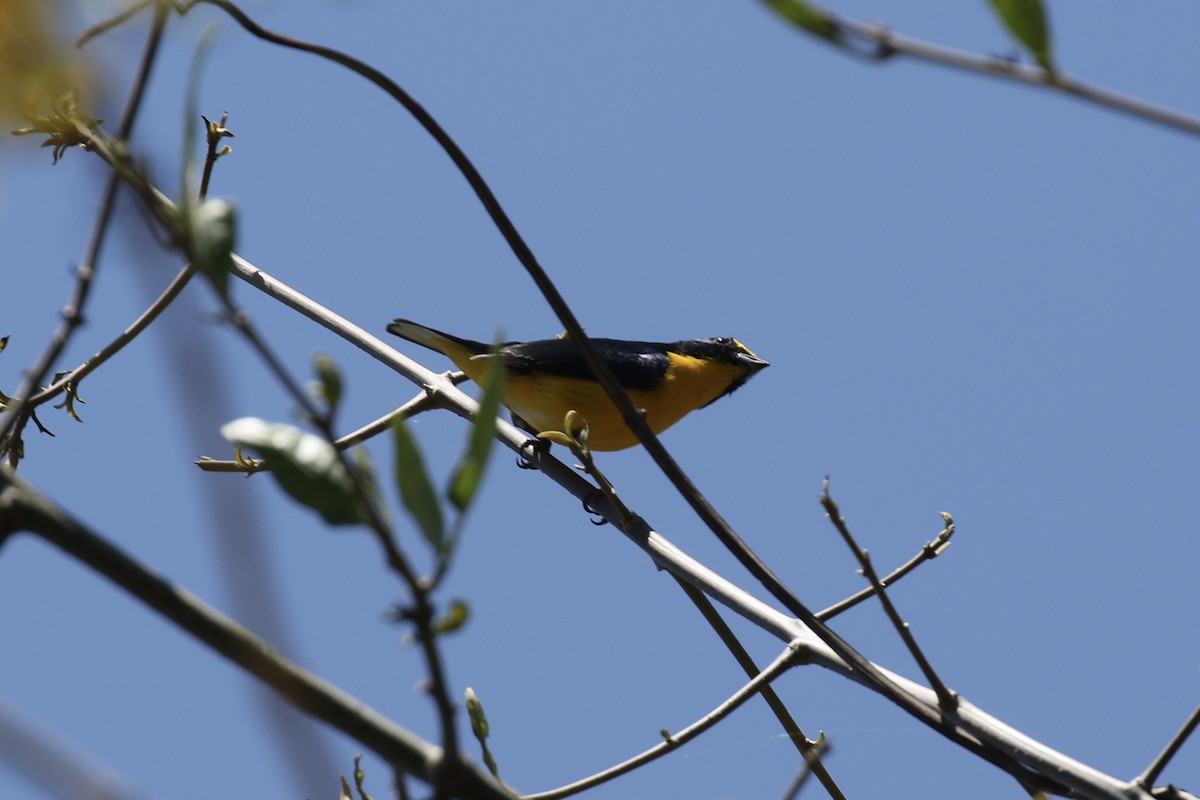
(635, 365)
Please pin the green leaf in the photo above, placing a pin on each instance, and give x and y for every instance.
(1026, 21)
(212, 232)
(455, 617)
(807, 16)
(479, 723)
(416, 490)
(305, 466)
(479, 727)
(469, 472)
(329, 380)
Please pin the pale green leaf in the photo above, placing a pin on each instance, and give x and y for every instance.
(455, 617)
(416, 490)
(212, 234)
(469, 472)
(305, 466)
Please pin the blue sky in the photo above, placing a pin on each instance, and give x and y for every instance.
(976, 297)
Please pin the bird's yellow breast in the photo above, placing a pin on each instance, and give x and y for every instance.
(542, 399)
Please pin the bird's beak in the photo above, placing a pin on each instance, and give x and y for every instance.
(753, 363)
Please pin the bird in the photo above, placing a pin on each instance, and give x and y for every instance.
(547, 378)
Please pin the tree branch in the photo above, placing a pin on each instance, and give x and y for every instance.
(24, 509)
(781, 664)
(18, 412)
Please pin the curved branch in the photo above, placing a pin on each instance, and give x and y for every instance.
(785, 661)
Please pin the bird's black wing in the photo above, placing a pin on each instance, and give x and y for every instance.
(636, 365)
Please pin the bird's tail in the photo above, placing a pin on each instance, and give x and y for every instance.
(460, 351)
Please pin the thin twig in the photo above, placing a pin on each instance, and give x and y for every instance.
(792, 791)
(113, 22)
(116, 345)
(160, 303)
(672, 741)
(946, 698)
(888, 43)
(1146, 779)
(421, 402)
(18, 412)
(930, 551)
(810, 751)
(214, 134)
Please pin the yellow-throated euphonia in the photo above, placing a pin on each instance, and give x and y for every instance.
(547, 378)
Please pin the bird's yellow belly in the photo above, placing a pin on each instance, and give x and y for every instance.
(543, 401)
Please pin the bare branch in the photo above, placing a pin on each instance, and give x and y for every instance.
(929, 551)
(877, 42)
(116, 345)
(1146, 779)
(946, 698)
(672, 741)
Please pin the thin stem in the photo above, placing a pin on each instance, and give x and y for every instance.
(214, 133)
(887, 44)
(1146, 779)
(792, 791)
(169, 294)
(421, 402)
(116, 345)
(113, 22)
(946, 698)
(810, 752)
(930, 551)
(18, 412)
(781, 664)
